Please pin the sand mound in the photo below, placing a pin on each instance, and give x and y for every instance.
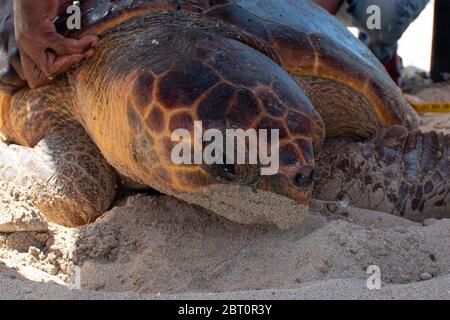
(160, 245)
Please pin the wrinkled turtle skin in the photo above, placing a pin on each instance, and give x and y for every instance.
(163, 64)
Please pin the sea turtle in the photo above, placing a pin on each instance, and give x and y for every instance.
(345, 130)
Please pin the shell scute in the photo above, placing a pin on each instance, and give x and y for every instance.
(182, 85)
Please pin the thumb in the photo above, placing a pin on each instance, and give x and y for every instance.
(32, 74)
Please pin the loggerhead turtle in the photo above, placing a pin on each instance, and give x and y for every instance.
(346, 132)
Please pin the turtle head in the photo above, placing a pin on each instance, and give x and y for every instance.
(277, 189)
(229, 141)
(258, 159)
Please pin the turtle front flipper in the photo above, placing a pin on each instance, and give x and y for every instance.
(56, 171)
(402, 172)
(64, 178)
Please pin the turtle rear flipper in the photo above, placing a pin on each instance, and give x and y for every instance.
(402, 172)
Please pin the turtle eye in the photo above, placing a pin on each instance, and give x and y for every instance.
(305, 177)
(229, 169)
(227, 172)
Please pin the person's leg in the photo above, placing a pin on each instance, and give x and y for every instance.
(396, 16)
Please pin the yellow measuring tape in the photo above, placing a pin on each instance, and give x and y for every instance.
(421, 105)
(438, 107)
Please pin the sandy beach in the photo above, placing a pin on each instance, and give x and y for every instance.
(157, 247)
(152, 246)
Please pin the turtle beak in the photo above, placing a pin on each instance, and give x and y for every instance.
(294, 184)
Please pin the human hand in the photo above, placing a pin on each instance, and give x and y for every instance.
(43, 52)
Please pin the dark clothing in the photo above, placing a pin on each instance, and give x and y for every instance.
(10, 67)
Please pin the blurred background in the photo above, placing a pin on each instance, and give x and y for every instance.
(415, 45)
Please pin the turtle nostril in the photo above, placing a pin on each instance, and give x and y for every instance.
(305, 177)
